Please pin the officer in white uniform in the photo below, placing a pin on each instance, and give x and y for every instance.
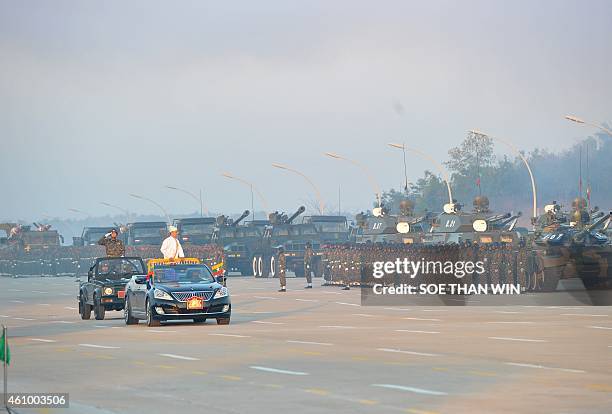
(171, 247)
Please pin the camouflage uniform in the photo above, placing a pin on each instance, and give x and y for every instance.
(114, 247)
(282, 269)
(308, 254)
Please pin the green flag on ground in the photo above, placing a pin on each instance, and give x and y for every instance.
(3, 357)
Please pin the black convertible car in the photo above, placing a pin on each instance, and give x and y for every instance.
(175, 292)
(105, 286)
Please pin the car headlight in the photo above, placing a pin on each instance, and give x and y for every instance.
(160, 294)
(108, 291)
(221, 293)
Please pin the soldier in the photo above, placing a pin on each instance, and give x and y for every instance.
(308, 255)
(282, 268)
(114, 246)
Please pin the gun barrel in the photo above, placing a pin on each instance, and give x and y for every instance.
(242, 217)
(297, 213)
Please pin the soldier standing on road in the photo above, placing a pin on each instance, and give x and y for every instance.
(282, 268)
(308, 255)
(114, 246)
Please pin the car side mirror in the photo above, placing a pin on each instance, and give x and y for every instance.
(90, 274)
(220, 279)
(140, 280)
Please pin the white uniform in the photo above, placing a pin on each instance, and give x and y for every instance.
(171, 248)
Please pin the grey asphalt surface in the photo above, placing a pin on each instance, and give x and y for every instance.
(310, 351)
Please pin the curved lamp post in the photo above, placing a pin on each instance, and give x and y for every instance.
(123, 210)
(581, 121)
(436, 164)
(192, 195)
(154, 203)
(253, 189)
(365, 170)
(522, 157)
(314, 187)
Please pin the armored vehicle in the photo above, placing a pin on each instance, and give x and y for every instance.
(196, 230)
(382, 227)
(90, 236)
(146, 233)
(238, 242)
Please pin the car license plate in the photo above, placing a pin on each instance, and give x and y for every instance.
(195, 302)
(121, 294)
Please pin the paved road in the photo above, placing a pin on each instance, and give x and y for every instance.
(310, 351)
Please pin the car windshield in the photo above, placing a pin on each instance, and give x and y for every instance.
(196, 229)
(119, 267)
(183, 274)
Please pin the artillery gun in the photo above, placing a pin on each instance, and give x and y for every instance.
(237, 240)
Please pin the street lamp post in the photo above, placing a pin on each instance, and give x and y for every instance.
(522, 157)
(154, 203)
(429, 158)
(253, 189)
(365, 170)
(123, 210)
(316, 190)
(74, 210)
(581, 121)
(192, 195)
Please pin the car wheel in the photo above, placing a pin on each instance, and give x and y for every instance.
(99, 309)
(84, 308)
(151, 321)
(199, 320)
(127, 314)
(273, 266)
(255, 266)
(223, 321)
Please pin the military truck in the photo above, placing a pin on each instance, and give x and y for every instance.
(195, 230)
(90, 236)
(146, 233)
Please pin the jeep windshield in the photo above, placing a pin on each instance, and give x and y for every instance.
(183, 274)
(119, 268)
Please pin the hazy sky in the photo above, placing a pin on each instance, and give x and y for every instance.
(99, 99)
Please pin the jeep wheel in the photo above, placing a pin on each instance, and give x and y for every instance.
(99, 309)
(127, 314)
(84, 309)
(223, 321)
(151, 321)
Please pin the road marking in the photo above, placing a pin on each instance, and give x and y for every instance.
(62, 322)
(15, 290)
(365, 315)
(17, 301)
(482, 373)
(435, 310)
(4, 316)
(524, 365)
(399, 351)
(310, 343)
(265, 297)
(417, 411)
(580, 314)
(317, 391)
(199, 372)
(398, 309)
(307, 300)
(423, 319)
(269, 322)
(599, 327)
(511, 322)
(600, 387)
(231, 378)
(39, 291)
(332, 293)
(165, 366)
(230, 335)
(43, 340)
(101, 326)
(347, 304)
(508, 312)
(70, 308)
(410, 389)
(503, 338)
(367, 402)
(278, 371)
(43, 304)
(24, 319)
(337, 327)
(184, 358)
(425, 332)
(159, 331)
(99, 346)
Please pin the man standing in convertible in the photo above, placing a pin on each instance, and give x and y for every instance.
(114, 246)
(171, 247)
